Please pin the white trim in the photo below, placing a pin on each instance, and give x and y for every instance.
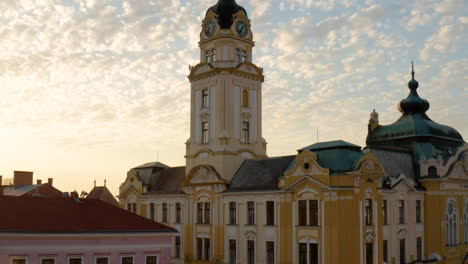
(19, 258)
(158, 258)
(74, 257)
(106, 257)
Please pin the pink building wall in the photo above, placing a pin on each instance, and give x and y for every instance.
(86, 246)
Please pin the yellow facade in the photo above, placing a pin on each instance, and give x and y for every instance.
(331, 203)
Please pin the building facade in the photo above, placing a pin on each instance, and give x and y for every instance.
(399, 199)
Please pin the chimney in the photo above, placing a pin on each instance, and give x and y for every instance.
(1, 180)
(39, 182)
(50, 181)
(22, 178)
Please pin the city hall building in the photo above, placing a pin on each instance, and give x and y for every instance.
(402, 197)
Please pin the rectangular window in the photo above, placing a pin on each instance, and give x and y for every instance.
(313, 212)
(205, 98)
(152, 212)
(385, 251)
(207, 249)
(368, 211)
(199, 213)
(241, 55)
(232, 213)
(207, 213)
(270, 212)
(245, 132)
(402, 251)
(401, 209)
(205, 138)
(102, 260)
(419, 248)
(313, 253)
(302, 212)
(52, 261)
(151, 260)
(75, 261)
(270, 252)
(177, 247)
(164, 212)
(250, 252)
(232, 251)
(251, 213)
(178, 212)
(210, 56)
(369, 253)
(127, 260)
(18, 261)
(418, 211)
(384, 209)
(303, 253)
(199, 249)
(131, 207)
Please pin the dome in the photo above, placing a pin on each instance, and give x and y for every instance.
(414, 124)
(226, 9)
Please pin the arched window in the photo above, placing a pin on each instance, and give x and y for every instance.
(245, 98)
(451, 224)
(465, 221)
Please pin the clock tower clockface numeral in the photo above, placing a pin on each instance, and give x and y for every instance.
(241, 28)
(210, 28)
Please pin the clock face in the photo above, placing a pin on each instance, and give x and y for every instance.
(210, 28)
(241, 28)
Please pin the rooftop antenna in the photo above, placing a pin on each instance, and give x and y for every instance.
(318, 137)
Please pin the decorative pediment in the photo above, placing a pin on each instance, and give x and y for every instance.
(305, 165)
(203, 175)
(369, 164)
(131, 182)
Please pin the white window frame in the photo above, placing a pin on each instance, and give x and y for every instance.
(19, 258)
(153, 255)
(43, 258)
(451, 221)
(107, 257)
(133, 259)
(72, 257)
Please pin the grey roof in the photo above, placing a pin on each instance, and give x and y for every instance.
(162, 180)
(152, 165)
(19, 190)
(260, 174)
(329, 145)
(394, 162)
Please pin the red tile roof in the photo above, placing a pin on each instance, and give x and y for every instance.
(67, 215)
(103, 194)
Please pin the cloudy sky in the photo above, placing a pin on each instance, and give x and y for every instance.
(91, 88)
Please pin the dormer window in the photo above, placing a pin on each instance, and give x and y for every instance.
(210, 56)
(205, 97)
(241, 55)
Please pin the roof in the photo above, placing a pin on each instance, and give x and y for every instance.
(67, 215)
(103, 194)
(260, 174)
(395, 163)
(161, 179)
(19, 190)
(330, 145)
(226, 9)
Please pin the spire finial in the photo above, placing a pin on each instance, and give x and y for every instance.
(412, 69)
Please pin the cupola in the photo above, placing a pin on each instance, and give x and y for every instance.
(225, 11)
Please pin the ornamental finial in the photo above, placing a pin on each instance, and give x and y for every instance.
(412, 69)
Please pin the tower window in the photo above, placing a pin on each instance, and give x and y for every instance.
(241, 55)
(245, 98)
(245, 132)
(368, 212)
(210, 56)
(401, 209)
(205, 98)
(451, 222)
(205, 138)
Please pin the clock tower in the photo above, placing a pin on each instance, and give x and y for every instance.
(226, 95)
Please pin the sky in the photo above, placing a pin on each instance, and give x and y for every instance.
(91, 88)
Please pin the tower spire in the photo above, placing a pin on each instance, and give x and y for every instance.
(412, 69)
